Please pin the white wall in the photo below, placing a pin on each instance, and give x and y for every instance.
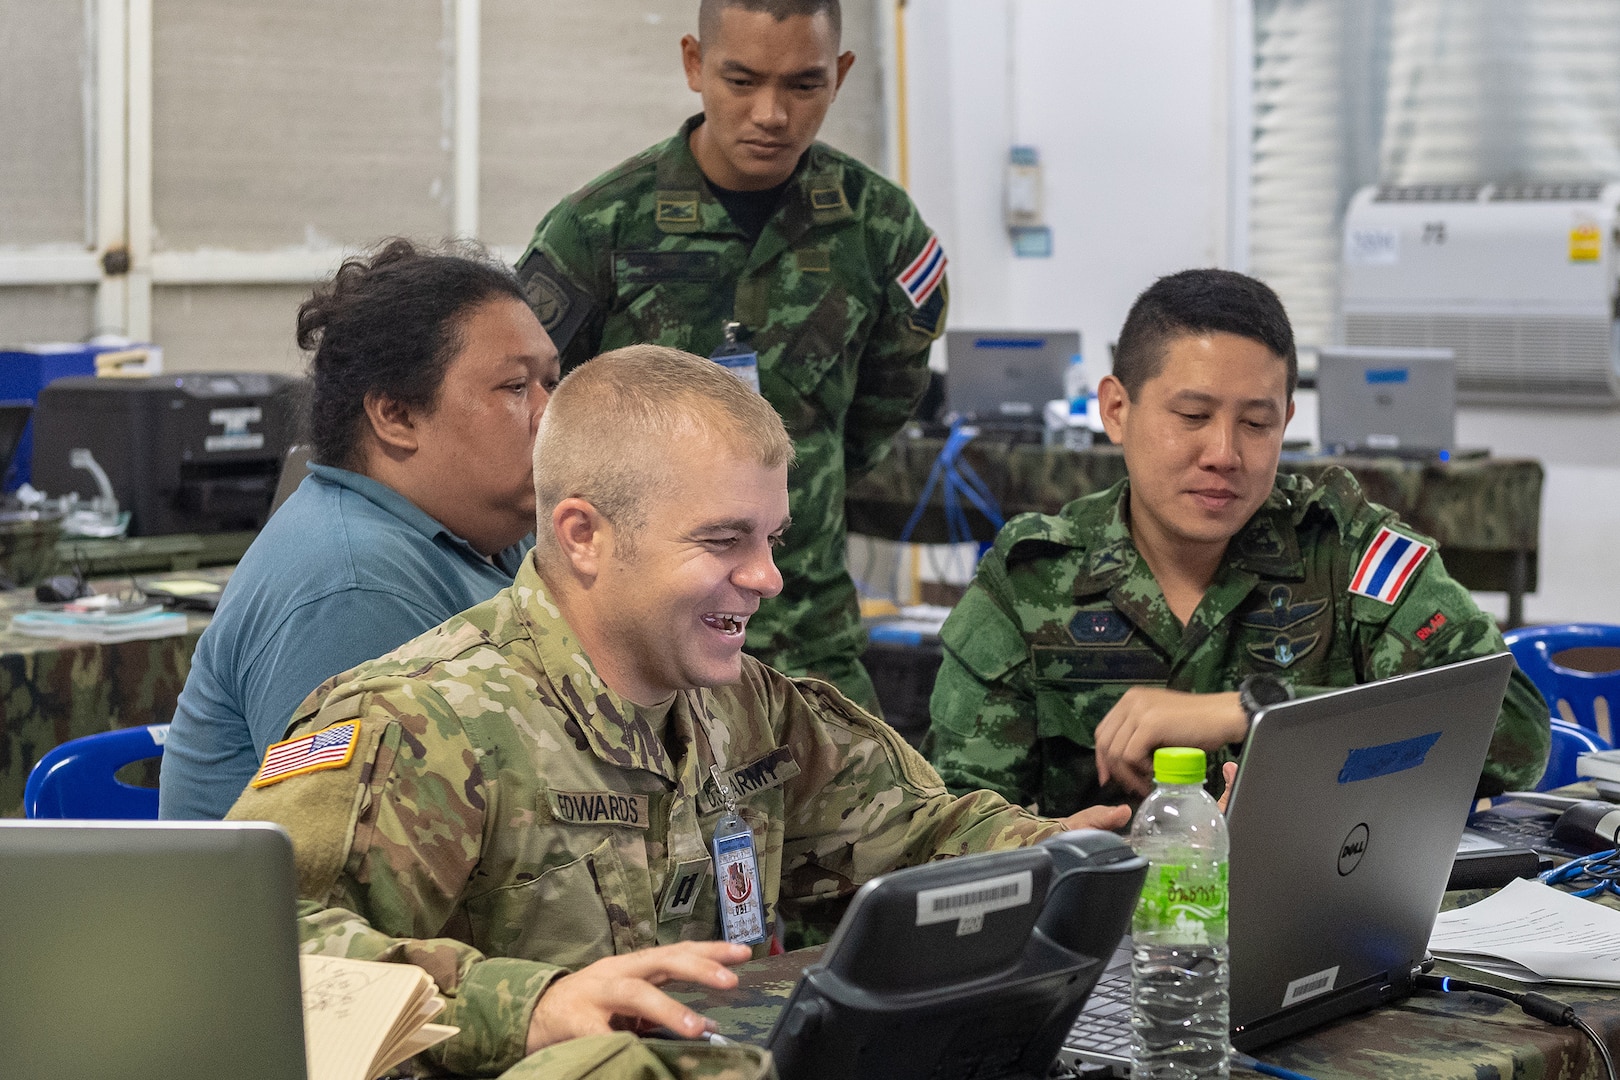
(1580, 505)
(1128, 104)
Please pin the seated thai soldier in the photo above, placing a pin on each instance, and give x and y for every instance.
(1166, 610)
(562, 778)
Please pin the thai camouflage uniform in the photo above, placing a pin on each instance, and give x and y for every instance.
(505, 817)
(646, 253)
(1064, 616)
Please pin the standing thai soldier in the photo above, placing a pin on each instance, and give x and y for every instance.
(833, 278)
(1168, 609)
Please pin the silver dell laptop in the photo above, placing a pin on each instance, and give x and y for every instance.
(1006, 376)
(1385, 400)
(1344, 824)
(148, 951)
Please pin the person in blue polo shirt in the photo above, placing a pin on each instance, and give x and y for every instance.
(429, 375)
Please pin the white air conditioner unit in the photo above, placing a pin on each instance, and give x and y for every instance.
(1518, 280)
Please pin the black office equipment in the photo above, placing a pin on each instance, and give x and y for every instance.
(193, 453)
(14, 417)
(962, 968)
(1486, 863)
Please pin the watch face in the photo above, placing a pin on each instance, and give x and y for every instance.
(1265, 690)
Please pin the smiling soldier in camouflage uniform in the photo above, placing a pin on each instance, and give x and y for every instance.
(837, 282)
(1128, 620)
(527, 789)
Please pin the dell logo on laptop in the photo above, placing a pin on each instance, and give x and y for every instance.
(1353, 848)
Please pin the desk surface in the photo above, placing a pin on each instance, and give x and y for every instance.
(1483, 511)
(1426, 1037)
(53, 690)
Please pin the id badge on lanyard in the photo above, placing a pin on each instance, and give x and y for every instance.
(738, 358)
(736, 873)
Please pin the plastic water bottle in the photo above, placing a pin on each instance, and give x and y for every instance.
(1077, 433)
(1179, 998)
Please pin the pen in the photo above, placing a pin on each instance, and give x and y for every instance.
(709, 1037)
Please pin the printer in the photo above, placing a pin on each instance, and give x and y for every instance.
(185, 453)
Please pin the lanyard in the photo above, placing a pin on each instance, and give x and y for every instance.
(736, 868)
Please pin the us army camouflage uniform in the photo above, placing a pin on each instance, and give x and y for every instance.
(505, 817)
(1064, 616)
(646, 253)
(622, 1056)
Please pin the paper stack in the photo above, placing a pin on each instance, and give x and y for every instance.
(1601, 765)
(104, 626)
(1530, 932)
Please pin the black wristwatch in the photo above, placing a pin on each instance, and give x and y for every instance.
(1256, 692)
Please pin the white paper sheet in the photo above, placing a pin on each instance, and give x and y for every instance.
(1532, 932)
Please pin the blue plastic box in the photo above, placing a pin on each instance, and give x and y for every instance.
(23, 373)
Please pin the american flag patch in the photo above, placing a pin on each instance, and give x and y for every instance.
(329, 748)
(922, 277)
(1387, 566)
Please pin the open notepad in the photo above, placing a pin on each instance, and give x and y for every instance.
(1532, 932)
(363, 1018)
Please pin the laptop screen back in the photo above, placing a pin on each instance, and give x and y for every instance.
(1344, 822)
(1387, 400)
(148, 951)
(1006, 375)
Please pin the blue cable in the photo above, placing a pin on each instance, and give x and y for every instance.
(960, 482)
(1603, 867)
(1250, 1063)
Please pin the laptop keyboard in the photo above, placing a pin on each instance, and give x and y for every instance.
(1522, 826)
(1104, 1025)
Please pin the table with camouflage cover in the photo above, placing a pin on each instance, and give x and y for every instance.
(1485, 512)
(53, 690)
(1428, 1036)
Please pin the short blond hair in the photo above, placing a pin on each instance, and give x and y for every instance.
(601, 434)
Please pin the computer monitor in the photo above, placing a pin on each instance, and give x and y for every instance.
(956, 969)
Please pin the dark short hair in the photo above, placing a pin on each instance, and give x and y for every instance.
(388, 324)
(709, 13)
(1200, 302)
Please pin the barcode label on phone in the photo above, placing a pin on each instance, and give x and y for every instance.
(973, 900)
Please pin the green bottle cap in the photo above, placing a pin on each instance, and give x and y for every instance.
(1178, 765)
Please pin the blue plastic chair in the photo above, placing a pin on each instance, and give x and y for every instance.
(1587, 698)
(76, 779)
(1568, 743)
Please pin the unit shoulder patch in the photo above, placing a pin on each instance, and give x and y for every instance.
(329, 748)
(1389, 563)
(561, 307)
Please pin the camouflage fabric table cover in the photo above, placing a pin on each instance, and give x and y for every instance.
(1485, 512)
(52, 690)
(1426, 1037)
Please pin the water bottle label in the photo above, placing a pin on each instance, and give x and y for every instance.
(1184, 903)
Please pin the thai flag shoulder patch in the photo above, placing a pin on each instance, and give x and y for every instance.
(1388, 564)
(329, 748)
(919, 280)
